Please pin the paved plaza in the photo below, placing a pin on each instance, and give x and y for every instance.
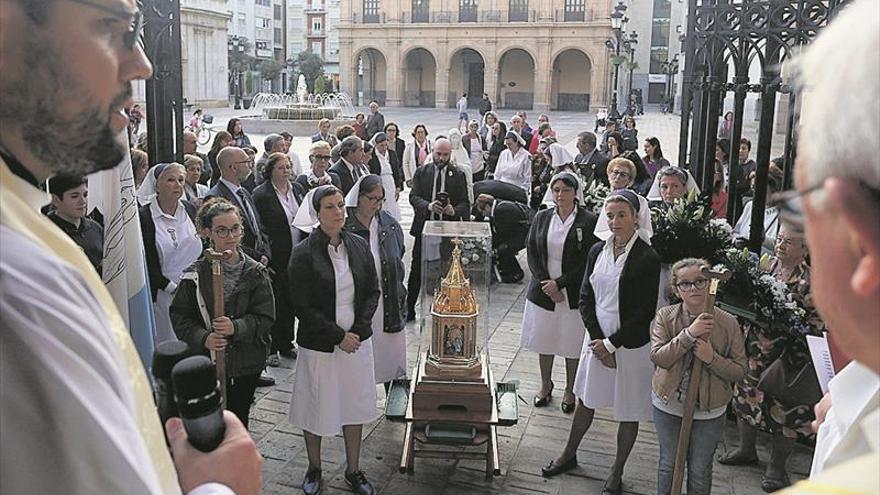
(540, 433)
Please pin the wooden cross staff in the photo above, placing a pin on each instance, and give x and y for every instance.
(687, 418)
(219, 357)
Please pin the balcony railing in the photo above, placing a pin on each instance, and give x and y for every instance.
(573, 15)
(487, 16)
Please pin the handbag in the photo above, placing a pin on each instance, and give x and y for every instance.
(790, 385)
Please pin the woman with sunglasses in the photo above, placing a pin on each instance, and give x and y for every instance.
(318, 175)
(368, 219)
(243, 332)
(681, 333)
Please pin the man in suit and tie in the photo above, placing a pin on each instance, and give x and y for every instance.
(439, 192)
(324, 133)
(235, 166)
(510, 226)
(350, 166)
(591, 162)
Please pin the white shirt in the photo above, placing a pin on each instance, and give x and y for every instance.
(743, 227)
(176, 241)
(462, 105)
(290, 206)
(851, 426)
(516, 170)
(606, 286)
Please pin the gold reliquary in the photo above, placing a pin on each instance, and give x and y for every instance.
(454, 312)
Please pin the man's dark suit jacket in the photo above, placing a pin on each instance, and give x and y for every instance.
(331, 139)
(421, 195)
(346, 180)
(254, 242)
(593, 168)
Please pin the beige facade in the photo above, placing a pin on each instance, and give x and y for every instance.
(526, 54)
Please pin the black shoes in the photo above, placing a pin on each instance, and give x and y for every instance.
(291, 353)
(553, 469)
(567, 407)
(312, 482)
(543, 401)
(265, 380)
(358, 483)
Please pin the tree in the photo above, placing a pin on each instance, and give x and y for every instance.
(270, 70)
(320, 85)
(239, 55)
(310, 65)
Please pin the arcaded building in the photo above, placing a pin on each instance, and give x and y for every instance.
(526, 54)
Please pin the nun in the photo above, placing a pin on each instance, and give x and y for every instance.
(335, 299)
(618, 298)
(171, 243)
(367, 219)
(515, 163)
(386, 165)
(462, 159)
(671, 183)
(557, 244)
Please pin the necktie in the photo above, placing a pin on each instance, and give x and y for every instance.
(247, 209)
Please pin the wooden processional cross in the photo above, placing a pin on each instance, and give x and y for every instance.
(219, 357)
(687, 418)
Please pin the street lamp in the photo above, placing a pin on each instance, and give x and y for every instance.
(234, 45)
(670, 68)
(618, 24)
(631, 43)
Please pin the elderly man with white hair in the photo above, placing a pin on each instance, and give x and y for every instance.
(439, 192)
(838, 202)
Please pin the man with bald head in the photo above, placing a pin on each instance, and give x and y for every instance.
(76, 413)
(439, 192)
(190, 147)
(235, 166)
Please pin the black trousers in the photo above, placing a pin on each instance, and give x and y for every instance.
(282, 330)
(508, 266)
(414, 283)
(479, 175)
(239, 395)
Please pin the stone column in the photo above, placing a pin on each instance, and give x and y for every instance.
(490, 72)
(347, 68)
(441, 87)
(543, 73)
(393, 73)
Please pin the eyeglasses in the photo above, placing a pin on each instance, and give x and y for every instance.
(223, 232)
(699, 284)
(322, 157)
(374, 199)
(135, 36)
(620, 173)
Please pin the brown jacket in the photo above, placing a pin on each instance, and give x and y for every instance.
(670, 350)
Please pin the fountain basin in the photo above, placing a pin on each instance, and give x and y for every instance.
(257, 124)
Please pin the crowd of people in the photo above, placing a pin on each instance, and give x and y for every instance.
(323, 246)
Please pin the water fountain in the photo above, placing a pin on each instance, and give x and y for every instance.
(298, 113)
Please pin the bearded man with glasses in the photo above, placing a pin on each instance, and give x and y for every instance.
(77, 415)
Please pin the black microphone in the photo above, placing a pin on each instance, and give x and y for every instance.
(199, 402)
(166, 355)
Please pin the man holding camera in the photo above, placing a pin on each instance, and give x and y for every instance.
(439, 192)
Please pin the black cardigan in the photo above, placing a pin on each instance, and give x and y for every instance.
(151, 252)
(396, 168)
(274, 224)
(313, 288)
(639, 286)
(577, 244)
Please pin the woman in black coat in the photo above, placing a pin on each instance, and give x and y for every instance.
(396, 144)
(243, 332)
(618, 300)
(367, 219)
(557, 245)
(277, 201)
(334, 298)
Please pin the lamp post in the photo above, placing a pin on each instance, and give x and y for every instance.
(631, 43)
(618, 22)
(670, 68)
(234, 46)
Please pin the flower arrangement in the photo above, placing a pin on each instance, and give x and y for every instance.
(594, 196)
(753, 289)
(686, 229)
(472, 250)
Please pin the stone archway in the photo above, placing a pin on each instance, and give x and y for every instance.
(466, 75)
(370, 77)
(419, 78)
(571, 81)
(516, 80)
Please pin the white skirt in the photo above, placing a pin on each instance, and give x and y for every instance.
(162, 314)
(389, 355)
(625, 389)
(558, 333)
(332, 390)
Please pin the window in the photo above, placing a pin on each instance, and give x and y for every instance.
(659, 54)
(261, 45)
(420, 10)
(371, 11)
(242, 22)
(264, 3)
(575, 10)
(278, 12)
(467, 10)
(662, 9)
(660, 32)
(262, 22)
(317, 48)
(278, 36)
(518, 11)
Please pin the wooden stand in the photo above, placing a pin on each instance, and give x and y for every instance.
(451, 412)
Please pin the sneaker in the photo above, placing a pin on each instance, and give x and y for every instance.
(358, 483)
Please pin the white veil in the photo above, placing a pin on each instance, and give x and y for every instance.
(645, 230)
